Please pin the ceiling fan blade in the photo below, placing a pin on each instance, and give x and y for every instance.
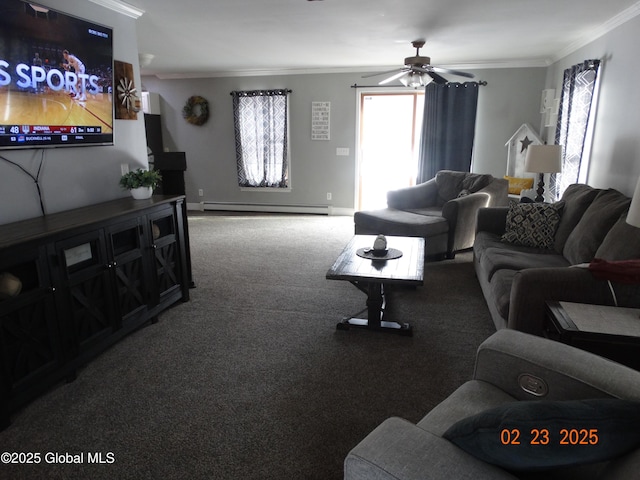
(383, 73)
(452, 72)
(440, 80)
(393, 77)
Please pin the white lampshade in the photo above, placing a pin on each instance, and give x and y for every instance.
(543, 159)
(633, 216)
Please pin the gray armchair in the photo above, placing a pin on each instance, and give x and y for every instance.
(509, 365)
(442, 210)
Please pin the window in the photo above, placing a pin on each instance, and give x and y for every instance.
(389, 133)
(261, 130)
(575, 124)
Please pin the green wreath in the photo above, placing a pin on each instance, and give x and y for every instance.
(196, 110)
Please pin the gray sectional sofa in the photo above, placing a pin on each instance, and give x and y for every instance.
(520, 263)
(508, 365)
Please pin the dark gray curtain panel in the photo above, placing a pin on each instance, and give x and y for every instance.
(578, 87)
(448, 128)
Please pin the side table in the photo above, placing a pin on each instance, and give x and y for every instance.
(611, 332)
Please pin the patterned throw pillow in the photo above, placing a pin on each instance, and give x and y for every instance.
(533, 224)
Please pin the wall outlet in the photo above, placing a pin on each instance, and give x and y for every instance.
(200, 192)
(328, 195)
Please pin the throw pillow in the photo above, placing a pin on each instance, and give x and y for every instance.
(516, 184)
(532, 224)
(543, 435)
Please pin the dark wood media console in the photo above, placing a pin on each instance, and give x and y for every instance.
(89, 276)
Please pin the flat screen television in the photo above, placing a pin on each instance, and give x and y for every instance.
(56, 78)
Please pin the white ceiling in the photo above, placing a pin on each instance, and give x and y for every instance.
(251, 37)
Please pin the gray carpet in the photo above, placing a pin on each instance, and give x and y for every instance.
(250, 379)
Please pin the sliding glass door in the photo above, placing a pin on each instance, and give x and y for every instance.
(389, 136)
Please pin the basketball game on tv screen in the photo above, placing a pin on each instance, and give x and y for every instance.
(56, 76)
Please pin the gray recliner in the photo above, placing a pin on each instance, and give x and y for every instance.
(509, 366)
(442, 210)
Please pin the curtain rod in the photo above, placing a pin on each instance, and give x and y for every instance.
(481, 83)
(258, 92)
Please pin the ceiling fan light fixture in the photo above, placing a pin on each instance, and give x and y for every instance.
(418, 71)
(416, 79)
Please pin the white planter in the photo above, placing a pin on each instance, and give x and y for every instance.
(141, 193)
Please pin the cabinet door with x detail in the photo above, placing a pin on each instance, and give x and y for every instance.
(167, 274)
(83, 273)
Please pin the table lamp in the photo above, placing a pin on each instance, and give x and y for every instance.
(633, 215)
(543, 159)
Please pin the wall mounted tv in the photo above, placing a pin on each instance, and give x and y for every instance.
(56, 78)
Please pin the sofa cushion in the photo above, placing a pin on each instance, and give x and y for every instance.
(577, 198)
(541, 435)
(431, 211)
(533, 224)
(485, 240)
(621, 243)
(390, 221)
(500, 293)
(495, 259)
(476, 181)
(605, 210)
(450, 183)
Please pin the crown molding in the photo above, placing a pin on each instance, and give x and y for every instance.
(614, 22)
(516, 63)
(120, 7)
(260, 73)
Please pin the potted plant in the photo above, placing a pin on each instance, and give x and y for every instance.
(141, 182)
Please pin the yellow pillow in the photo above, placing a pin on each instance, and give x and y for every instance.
(516, 185)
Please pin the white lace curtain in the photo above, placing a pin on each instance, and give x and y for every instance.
(260, 122)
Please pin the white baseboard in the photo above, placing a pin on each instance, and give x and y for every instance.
(260, 207)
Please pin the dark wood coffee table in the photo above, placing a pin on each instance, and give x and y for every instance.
(372, 276)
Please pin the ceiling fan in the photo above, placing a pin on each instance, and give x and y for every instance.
(418, 71)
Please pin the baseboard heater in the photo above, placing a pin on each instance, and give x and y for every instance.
(263, 207)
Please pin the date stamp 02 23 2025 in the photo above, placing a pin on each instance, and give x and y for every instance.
(542, 436)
